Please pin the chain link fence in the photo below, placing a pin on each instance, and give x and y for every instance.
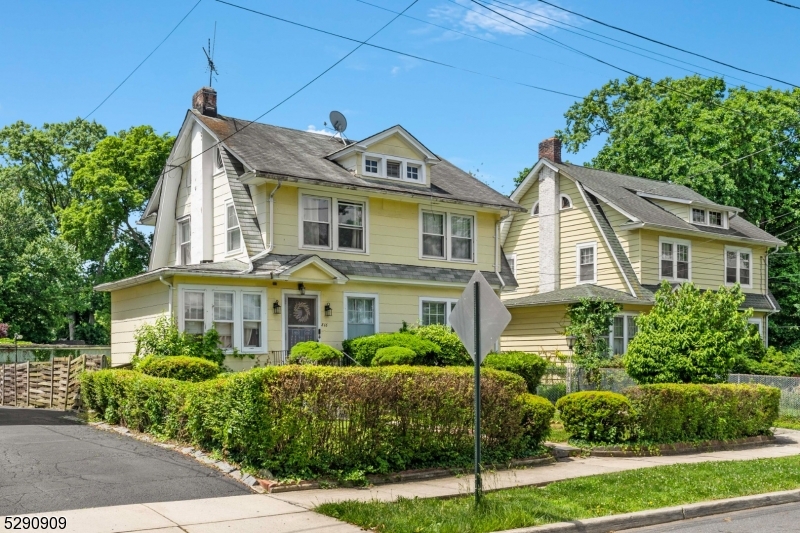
(47, 352)
(789, 386)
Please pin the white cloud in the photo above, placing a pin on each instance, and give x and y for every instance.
(313, 129)
(475, 19)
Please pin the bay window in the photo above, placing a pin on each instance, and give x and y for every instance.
(237, 315)
(738, 266)
(675, 259)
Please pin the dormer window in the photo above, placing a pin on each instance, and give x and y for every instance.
(412, 172)
(393, 169)
(371, 166)
(698, 216)
(715, 218)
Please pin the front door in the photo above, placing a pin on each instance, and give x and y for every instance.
(301, 320)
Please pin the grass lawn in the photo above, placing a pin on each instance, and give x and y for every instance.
(600, 495)
(788, 422)
(557, 433)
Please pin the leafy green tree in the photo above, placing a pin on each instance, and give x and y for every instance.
(690, 336)
(590, 322)
(39, 273)
(700, 133)
(521, 176)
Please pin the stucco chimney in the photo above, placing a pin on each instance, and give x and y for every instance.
(550, 149)
(205, 101)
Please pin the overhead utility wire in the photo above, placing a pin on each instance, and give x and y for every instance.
(667, 45)
(143, 60)
(784, 4)
(554, 22)
(420, 58)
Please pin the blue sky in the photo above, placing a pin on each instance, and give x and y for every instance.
(60, 59)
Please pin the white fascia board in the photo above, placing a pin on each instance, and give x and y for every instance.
(364, 144)
(664, 198)
(695, 233)
(404, 281)
(532, 176)
(319, 263)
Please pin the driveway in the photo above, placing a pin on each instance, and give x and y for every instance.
(49, 461)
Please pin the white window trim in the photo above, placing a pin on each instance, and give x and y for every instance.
(238, 322)
(285, 294)
(447, 301)
(707, 217)
(560, 197)
(533, 208)
(235, 251)
(219, 166)
(758, 322)
(672, 241)
(404, 162)
(178, 222)
(578, 248)
(334, 224)
(737, 249)
(447, 236)
(512, 258)
(376, 312)
(624, 332)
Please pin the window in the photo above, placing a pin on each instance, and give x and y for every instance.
(194, 312)
(715, 218)
(675, 259)
(218, 160)
(566, 202)
(362, 314)
(223, 318)
(185, 242)
(251, 320)
(433, 234)
(393, 169)
(234, 235)
(757, 324)
(699, 216)
(436, 310)
(738, 266)
(535, 210)
(461, 237)
(587, 262)
(237, 315)
(371, 165)
(623, 329)
(316, 221)
(412, 172)
(512, 262)
(351, 225)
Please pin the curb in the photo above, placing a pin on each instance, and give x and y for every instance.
(682, 448)
(609, 524)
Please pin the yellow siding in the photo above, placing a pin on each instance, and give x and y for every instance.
(679, 210)
(397, 146)
(393, 229)
(222, 197)
(629, 239)
(577, 227)
(130, 308)
(537, 329)
(261, 204)
(182, 208)
(707, 261)
(523, 240)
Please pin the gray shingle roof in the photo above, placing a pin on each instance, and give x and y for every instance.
(578, 292)
(621, 190)
(245, 210)
(760, 302)
(296, 154)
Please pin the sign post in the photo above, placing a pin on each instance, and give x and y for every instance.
(478, 319)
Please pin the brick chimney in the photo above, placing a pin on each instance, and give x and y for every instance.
(550, 149)
(205, 101)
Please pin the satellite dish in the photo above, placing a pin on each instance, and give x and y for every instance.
(338, 121)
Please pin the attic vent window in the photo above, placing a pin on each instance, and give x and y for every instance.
(535, 210)
(392, 169)
(566, 202)
(219, 158)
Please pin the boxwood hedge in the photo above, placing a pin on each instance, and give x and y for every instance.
(308, 421)
(314, 353)
(180, 367)
(528, 365)
(597, 416)
(363, 349)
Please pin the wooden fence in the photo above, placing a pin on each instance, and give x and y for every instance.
(51, 384)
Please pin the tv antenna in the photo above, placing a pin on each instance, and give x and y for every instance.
(212, 68)
(339, 123)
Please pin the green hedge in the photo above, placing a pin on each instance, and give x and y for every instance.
(313, 353)
(394, 355)
(179, 367)
(453, 352)
(537, 414)
(307, 421)
(528, 365)
(597, 416)
(363, 349)
(678, 412)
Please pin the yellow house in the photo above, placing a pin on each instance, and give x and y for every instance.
(591, 233)
(274, 236)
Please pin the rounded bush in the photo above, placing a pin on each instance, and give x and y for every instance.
(313, 353)
(537, 413)
(595, 416)
(363, 349)
(528, 365)
(394, 355)
(453, 351)
(179, 367)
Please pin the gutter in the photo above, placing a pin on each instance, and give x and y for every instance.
(271, 232)
(699, 233)
(169, 303)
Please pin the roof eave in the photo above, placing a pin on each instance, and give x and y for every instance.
(717, 236)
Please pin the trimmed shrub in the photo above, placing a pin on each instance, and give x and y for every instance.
(180, 367)
(528, 365)
(537, 413)
(313, 353)
(394, 355)
(453, 352)
(685, 413)
(595, 416)
(363, 349)
(309, 421)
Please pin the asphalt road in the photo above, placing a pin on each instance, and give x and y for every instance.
(52, 463)
(778, 518)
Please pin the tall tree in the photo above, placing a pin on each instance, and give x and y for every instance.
(737, 147)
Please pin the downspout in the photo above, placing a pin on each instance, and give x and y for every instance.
(271, 231)
(497, 259)
(169, 303)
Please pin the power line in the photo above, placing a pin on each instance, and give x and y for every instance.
(783, 4)
(669, 45)
(143, 60)
(740, 158)
(420, 58)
